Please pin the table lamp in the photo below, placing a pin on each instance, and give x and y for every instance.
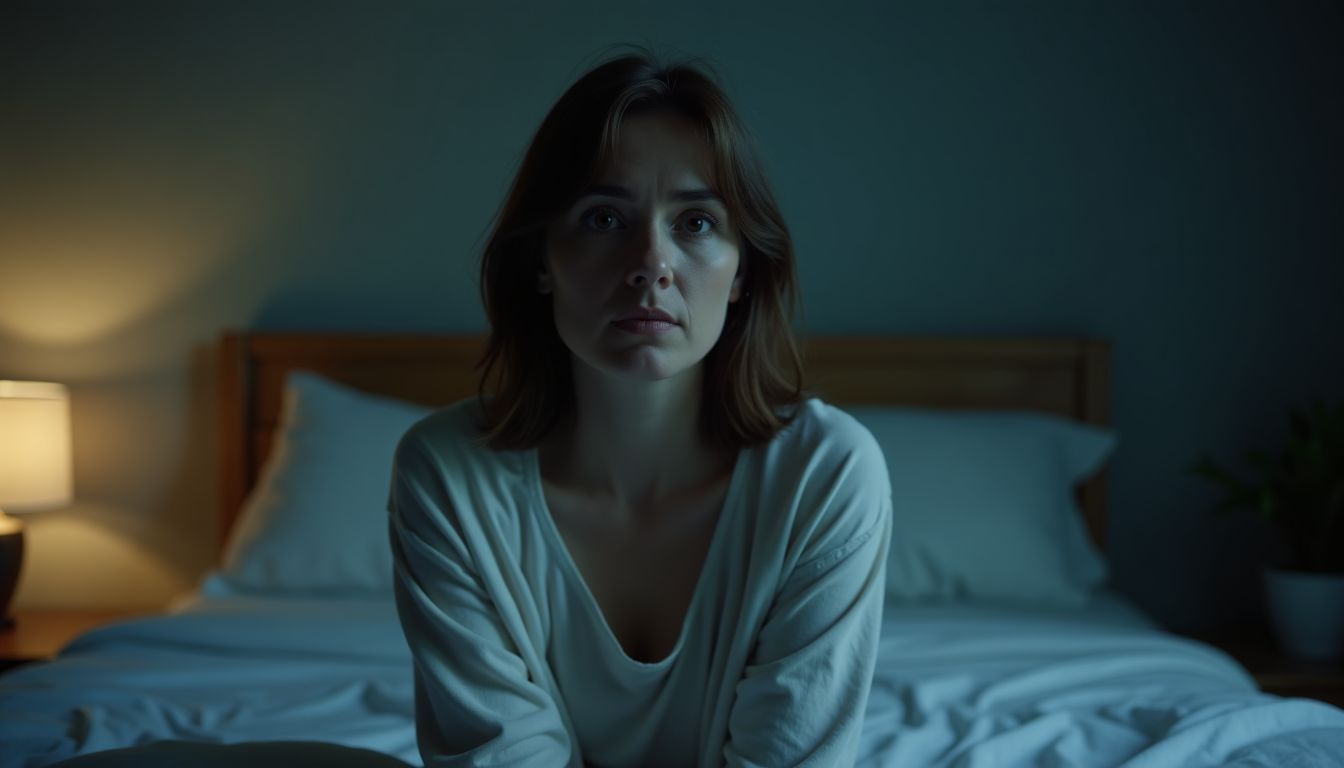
(34, 467)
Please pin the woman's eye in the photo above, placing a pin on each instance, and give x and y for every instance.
(601, 219)
(698, 224)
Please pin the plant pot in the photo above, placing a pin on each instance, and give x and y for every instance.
(1306, 611)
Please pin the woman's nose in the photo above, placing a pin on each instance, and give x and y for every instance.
(648, 263)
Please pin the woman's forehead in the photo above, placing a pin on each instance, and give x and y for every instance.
(667, 146)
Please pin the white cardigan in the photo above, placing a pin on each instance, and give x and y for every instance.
(515, 664)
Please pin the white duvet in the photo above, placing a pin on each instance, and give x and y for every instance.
(983, 686)
(955, 686)
(226, 670)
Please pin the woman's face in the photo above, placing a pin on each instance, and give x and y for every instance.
(642, 267)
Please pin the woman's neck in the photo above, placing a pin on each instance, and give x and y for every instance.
(631, 443)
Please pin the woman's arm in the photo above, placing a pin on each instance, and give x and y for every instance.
(476, 703)
(802, 697)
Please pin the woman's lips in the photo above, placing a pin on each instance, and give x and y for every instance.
(646, 321)
(644, 326)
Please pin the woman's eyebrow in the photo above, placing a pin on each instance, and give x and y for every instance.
(696, 195)
(680, 195)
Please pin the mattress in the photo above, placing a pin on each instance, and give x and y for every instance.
(956, 685)
(222, 670)
(967, 686)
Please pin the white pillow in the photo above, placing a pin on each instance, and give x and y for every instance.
(983, 504)
(316, 522)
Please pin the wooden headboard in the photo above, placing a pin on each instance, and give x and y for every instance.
(1066, 377)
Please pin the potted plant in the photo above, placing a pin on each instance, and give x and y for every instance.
(1300, 491)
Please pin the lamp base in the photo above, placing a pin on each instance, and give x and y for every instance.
(11, 560)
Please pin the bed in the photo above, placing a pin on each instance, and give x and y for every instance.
(1001, 643)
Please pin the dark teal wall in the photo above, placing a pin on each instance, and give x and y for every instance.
(1164, 175)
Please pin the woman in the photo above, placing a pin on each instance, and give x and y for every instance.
(643, 547)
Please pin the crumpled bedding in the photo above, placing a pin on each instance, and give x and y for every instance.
(960, 686)
(969, 686)
(226, 670)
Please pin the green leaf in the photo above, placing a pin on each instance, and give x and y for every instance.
(1299, 488)
(1268, 505)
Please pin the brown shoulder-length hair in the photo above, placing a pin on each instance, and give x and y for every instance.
(752, 375)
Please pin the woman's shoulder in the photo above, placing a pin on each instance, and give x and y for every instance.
(822, 448)
(446, 479)
(826, 469)
(818, 426)
(452, 432)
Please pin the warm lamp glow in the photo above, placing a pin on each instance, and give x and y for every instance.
(34, 467)
(34, 446)
(80, 283)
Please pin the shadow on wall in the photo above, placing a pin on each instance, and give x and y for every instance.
(142, 527)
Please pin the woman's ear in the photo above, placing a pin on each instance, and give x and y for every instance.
(735, 291)
(543, 280)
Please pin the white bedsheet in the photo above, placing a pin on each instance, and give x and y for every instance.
(225, 670)
(983, 686)
(955, 686)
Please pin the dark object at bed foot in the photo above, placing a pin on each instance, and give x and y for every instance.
(259, 754)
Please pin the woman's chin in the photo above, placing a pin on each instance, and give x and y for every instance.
(646, 362)
(644, 366)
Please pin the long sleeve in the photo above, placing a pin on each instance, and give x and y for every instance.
(478, 702)
(802, 696)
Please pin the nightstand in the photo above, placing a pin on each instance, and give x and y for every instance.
(1279, 674)
(37, 635)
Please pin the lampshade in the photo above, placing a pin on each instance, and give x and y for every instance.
(34, 467)
(34, 446)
